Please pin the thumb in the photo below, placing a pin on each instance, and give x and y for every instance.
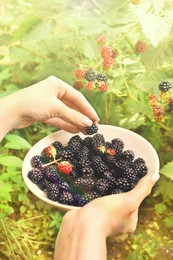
(144, 187)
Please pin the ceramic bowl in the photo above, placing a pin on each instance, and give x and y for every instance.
(139, 145)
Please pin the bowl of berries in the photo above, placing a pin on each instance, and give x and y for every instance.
(69, 170)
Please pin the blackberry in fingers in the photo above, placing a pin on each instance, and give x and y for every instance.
(90, 130)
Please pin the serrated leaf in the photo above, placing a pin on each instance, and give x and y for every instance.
(155, 28)
(5, 190)
(169, 221)
(164, 188)
(16, 142)
(11, 161)
(167, 170)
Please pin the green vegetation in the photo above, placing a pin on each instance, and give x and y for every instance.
(43, 38)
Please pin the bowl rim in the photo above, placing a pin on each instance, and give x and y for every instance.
(47, 140)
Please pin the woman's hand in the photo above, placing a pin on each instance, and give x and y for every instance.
(84, 231)
(51, 101)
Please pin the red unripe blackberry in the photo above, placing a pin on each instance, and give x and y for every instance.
(50, 151)
(106, 52)
(152, 100)
(90, 86)
(80, 73)
(140, 46)
(65, 167)
(165, 86)
(101, 40)
(170, 102)
(103, 87)
(158, 118)
(108, 63)
(78, 84)
(158, 110)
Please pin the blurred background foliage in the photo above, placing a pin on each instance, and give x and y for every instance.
(43, 38)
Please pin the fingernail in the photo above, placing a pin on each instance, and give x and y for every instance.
(86, 121)
(155, 177)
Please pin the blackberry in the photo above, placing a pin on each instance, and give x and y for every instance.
(67, 154)
(87, 141)
(124, 184)
(90, 75)
(102, 186)
(35, 175)
(101, 77)
(128, 155)
(81, 200)
(141, 170)
(98, 141)
(73, 174)
(53, 192)
(86, 184)
(84, 153)
(51, 174)
(75, 143)
(138, 160)
(117, 191)
(64, 186)
(131, 175)
(58, 146)
(98, 165)
(36, 161)
(90, 130)
(67, 198)
(109, 160)
(165, 86)
(87, 172)
(92, 195)
(43, 183)
(117, 144)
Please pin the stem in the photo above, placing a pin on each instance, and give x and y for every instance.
(35, 53)
(54, 161)
(97, 6)
(7, 238)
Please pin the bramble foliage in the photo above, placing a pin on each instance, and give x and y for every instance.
(43, 38)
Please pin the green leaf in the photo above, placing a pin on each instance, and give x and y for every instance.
(164, 188)
(16, 142)
(169, 221)
(160, 208)
(11, 161)
(167, 170)
(5, 190)
(27, 25)
(155, 28)
(91, 49)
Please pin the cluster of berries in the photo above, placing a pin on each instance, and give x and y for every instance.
(87, 168)
(107, 53)
(91, 80)
(158, 103)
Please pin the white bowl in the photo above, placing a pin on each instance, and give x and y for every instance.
(132, 141)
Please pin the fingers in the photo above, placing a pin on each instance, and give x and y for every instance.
(75, 100)
(143, 188)
(59, 123)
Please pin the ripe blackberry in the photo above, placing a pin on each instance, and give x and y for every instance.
(124, 184)
(73, 174)
(117, 191)
(98, 165)
(35, 175)
(86, 184)
(67, 154)
(128, 155)
(92, 195)
(58, 146)
(101, 77)
(165, 86)
(51, 174)
(64, 186)
(81, 200)
(90, 130)
(43, 183)
(90, 86)
(90, 75)
(84, 153)
(98, 143)
(53, 191)
(141, 170)
(103, 87)
(131, 174)
(75, 143)
(87, 172)
(67, 198)
(102, 186)
(109, 160)
(138, 161)
(117, 144)
(87, 141)
(140, 47)
(36, 161)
